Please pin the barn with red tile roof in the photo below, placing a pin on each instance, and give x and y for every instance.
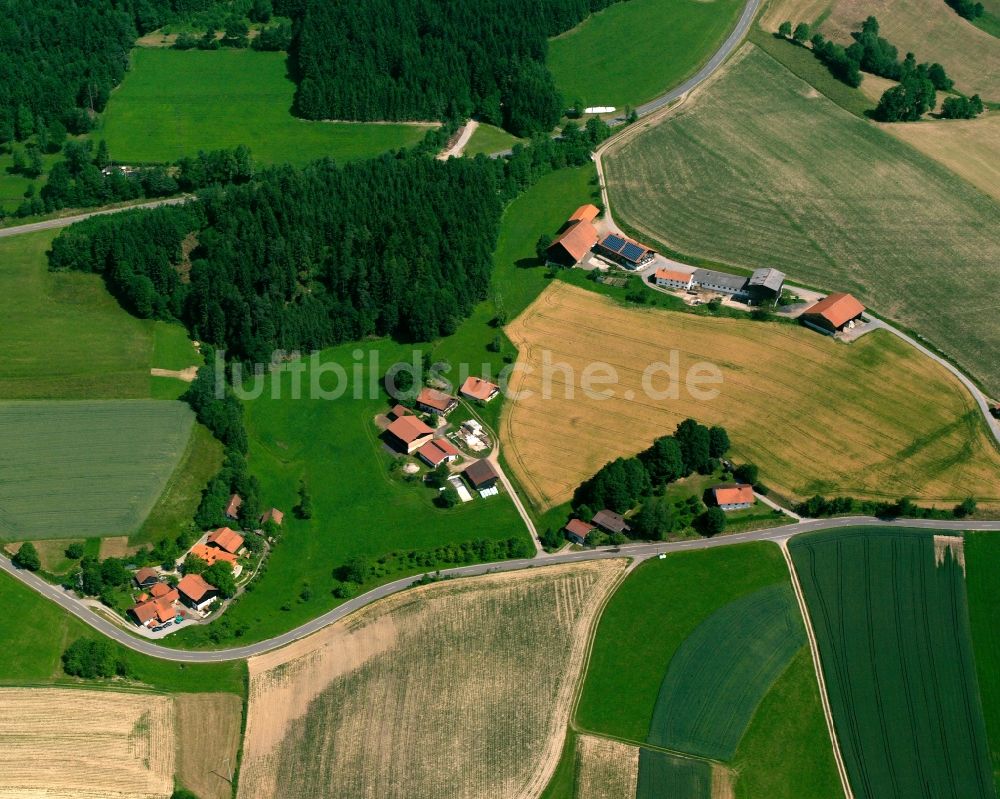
(833, 313)
(408, 434)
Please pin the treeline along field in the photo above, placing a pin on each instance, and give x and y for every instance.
(891, 620)
(734, 176)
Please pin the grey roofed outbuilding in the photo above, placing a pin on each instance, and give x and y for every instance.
(712, 278)
(771, 279)
(610, 521)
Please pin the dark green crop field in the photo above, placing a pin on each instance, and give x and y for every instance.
(890, 616)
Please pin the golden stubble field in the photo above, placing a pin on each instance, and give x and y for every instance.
(64, 743)
(457, 689)
(61, 743)
(605, 769)
(871, 419)
(928, 28)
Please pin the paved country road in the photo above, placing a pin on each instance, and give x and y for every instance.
(638, 552)
(66, 221)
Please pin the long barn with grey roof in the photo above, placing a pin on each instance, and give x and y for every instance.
(722, 282)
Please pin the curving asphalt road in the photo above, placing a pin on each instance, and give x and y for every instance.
(639, 552)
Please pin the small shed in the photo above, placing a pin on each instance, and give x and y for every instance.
(611, 522)
(145, 577)
(481, 474)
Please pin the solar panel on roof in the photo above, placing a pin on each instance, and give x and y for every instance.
(613, 242)
(632, 252)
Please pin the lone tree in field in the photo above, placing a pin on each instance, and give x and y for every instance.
(785, 29)
(746, 473)
(304, 510)
(27, 557)
(75, 551)
(90, 659)
(801, 32)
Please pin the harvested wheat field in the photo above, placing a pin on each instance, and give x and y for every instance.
(60, 743)
(968, 147)
(458, 689)
(928, 28)
(605, 769)
(874, 418)
(207, 742)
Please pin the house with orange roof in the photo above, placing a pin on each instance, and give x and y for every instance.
(212, 555)
(225, 539)
(673, 279)
(196, 592)
(408, 434)
(272, 515)
(158, 610)
(577, 530)
(478, 389)
(430, 400)
(733, 497)
(833, 313)
(585, 213)
(437, 451)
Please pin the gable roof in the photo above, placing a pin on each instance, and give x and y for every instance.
(435, 399)
(734, 282)
(434, 452)
(585, 213)
(212, 554)
(767, 278)
(733, 495)
(274, 515)
(673, 274)
(226, 539)
(194, 587)
(145, 574)
(577, 239)
(611, 521)
(160, 590)
(160, 609)
(144, 611)
(578, 527)
(409, 428)
(233, 508)
(481, 471)
(479, 389)
(838, 308)
(400, 410)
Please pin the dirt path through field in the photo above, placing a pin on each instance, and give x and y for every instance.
(818, 668)
(187, 375)
(456, 149)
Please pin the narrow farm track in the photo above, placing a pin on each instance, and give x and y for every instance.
(638, 552)
(66, 221)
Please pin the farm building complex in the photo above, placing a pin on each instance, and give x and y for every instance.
(763, 285)
(624, 251)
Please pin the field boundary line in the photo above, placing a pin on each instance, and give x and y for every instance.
(818, 669)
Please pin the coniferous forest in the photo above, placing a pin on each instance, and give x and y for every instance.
(304, 258)
(431, 59)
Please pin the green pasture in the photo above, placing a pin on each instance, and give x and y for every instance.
(736, 178)
(649, 618)
(64, 336)
(88, 468)
(665, 775)
(174, 103)
(982, 558)
(490, 139)
(719, 675)
(360, 508)
(894, 636)
(786, 751)
(634, 51)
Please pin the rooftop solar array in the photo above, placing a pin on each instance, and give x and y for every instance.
(628, 250)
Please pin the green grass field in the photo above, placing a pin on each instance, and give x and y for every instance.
(175, 509)
(633, 51)
(92, 468)
(648, 619)
(665, 775)
(786, 751)
(34, 632)
(64, 336)
(894, 637)
(735, 177)
(490, 139)
(174, 103)
(982, 558)
(720, 673)
(360, 509)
